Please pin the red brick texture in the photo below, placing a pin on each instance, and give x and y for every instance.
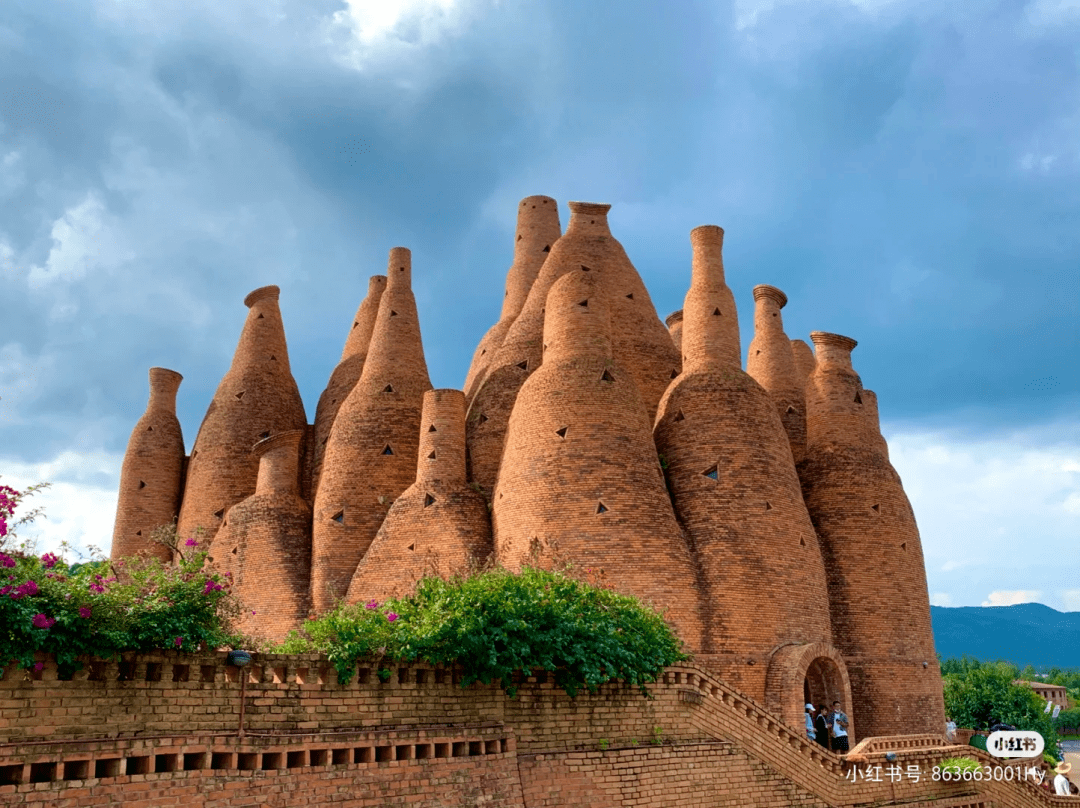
(735, 489)
(771, 361)
(439, 526)
(675, 323)
(881, 622)
(264, 543)
(372, 449)
(257, 398)
(152, 474)
(347, 373)
(537, 230)
(580, 479)
(804, 361)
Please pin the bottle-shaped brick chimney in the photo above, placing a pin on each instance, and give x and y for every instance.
(805, 362)
(371, 452)
(439, 524)
(151, 476)
(257, 398)
(674, 323)
(771, 362)
(877, 578)
(264, 543)
(736, 493)
(580, 480)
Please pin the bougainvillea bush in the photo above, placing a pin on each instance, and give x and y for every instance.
(495, 623)
(101, 609)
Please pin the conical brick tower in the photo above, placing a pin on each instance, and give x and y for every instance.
(371, 452)
(151, 477)
(771, 361)
(640, 342)
(264, 543)
(805, 362)
(674, 323)
(580, 481)
(347, 373)
(257, 398)
(537, 231)
(735, 489)
(439, 526)
(877, 579)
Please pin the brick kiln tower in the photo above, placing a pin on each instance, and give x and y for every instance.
(580, 480)
(264, 541)
(639, 340)
(771, 361)
(347, 373)
(257, 398)
(736, 491)
(674, 323)
(439, 525)
(804, 361)
(152, 474)
(877, 580)
(372, 449)
(537, 230)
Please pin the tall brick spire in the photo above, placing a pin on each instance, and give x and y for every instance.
(804, 360)
(674, 323)
(580, 481)
(877, 578)
(371, 453)
(537, 230)
(439, 525)
(735, 490)
(151, 476)
(257, 398)
(771, 361)
(264, 543)
(347, 373)
(640, 342)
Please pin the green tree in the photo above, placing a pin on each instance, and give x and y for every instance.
(981, 694)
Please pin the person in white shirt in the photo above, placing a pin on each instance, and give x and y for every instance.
(810, 733)
(1061, 782)
(838, 725)
(950, 730)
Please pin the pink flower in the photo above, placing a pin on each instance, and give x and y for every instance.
(97, 588)
(191, 543)
(178, 641)
(371, 605)
(41, 621)
(211, 587)
(6, 560)
(84, 612)
(49, 560)
(253, 611)
(39, 665)
(6, 589)
(391, 616)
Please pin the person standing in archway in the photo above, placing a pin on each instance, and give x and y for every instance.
(821, 726)
(838, 724)
(811, 731)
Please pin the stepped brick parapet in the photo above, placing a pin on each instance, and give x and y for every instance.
(264, 543)
(877, 579)
(771, 361)
(347, 373)
(580, 480)
(257, 398)
(537, 231)
(439, 526)
(735, 490)
(152, 474)
(674, 323)
(804, 360)
(372, 449)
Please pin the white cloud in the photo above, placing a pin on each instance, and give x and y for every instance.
(1070, 600)
(84, 237)
(941, 599)
(1037, 162)
(1005, 597)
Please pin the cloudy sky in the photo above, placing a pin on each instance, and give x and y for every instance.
(906, 170)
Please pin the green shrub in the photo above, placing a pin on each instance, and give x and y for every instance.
(496, 623)
(959, 765)
(978, 695)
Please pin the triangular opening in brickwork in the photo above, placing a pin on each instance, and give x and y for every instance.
(388, 389)
(674, 374)
(219, 514)
(712, 473)
(520, 237)
(561, 432)
(768, 506)
(679, 417)
(393, 313)
(791, 410)
(877, 508)
(234, 551)
(138, 532)
(260, 317)
(428, 500)
(903, 546)
(273, 358)
(240, 395)
(584, 303)
(142, 485)
(483, 352)
(432, 428)
(585, 268)
(482, 418)
(411, 547)
(401, 269)
(339, 517)
(149, 429)
(523, 365)
(431, 456)
(757, 353)
(858, 398)
(716, 312)
(630, 296)
(607, 377)
(355, 324)
(387, 450)
(547, 248)
(601, 507)
(802, 542)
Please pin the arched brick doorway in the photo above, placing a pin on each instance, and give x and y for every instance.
(807, 674)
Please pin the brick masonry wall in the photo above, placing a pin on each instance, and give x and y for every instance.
(152, 473)
(675, 325)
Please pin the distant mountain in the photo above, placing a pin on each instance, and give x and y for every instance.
(1028, 633)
